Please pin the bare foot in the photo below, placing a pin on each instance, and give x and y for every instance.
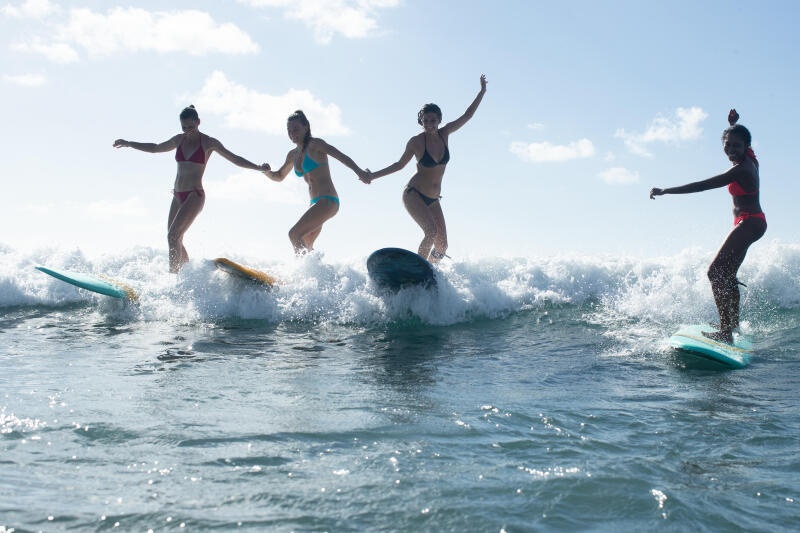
(720, 336)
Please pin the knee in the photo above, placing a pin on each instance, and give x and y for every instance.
(431, 232)
(294, 235)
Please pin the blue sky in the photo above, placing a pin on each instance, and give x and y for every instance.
(589, 105)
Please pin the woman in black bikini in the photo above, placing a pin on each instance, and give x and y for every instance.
(192, 150)
(749, 223)
(421, 195)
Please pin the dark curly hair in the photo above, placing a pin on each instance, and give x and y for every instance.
(741, 132)
(429, 108)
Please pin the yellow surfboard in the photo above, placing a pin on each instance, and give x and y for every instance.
(249, 274)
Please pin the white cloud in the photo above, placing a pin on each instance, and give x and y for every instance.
(535, 126)
(610, 156)
(353, 19)
(248, 109)
(35, 9)
(55, 52)
(134, 30)
(26, 80)
(684, 125)
(546, 152)
(619, 176)
(255, 185)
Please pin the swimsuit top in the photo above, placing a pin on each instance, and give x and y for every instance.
(199, 156)
(734, 188)
(308, 165)
(427, 161)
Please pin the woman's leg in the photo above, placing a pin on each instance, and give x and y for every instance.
(722, 274)
(423, 216)
(440, 238)
(181, 216)
(305, 232)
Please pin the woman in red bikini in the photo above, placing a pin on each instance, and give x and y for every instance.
(192, 150)
(421, 195)
(749, 223)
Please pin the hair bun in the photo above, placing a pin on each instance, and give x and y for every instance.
(733, 117)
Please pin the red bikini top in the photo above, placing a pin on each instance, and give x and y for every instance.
(199, 156)
(734, 188)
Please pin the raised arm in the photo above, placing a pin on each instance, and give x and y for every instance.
(237, 160)
(281, 173)
(332, 151)
(450, 127)
(394, 167)
(152, 148)
(733, 174)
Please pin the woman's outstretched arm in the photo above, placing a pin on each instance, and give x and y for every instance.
(281, 173)
(703, 185)
(332, 151)
(394, 167)
(152, 148)
(460, 121)
(237, 160)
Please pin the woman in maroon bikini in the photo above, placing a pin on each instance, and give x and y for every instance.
(192, 150)
(749, 222)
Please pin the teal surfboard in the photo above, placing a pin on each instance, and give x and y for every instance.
(97, 284)
(395, 268)
(690, 339)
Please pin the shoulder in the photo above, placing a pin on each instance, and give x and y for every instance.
(209, 141)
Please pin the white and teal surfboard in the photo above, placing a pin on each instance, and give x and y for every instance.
(97, 284)
(691, 339)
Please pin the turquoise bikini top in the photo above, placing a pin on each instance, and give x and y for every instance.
(308, 165)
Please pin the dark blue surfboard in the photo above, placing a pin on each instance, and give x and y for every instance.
(395, 268)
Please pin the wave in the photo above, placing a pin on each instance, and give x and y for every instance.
(666, 289)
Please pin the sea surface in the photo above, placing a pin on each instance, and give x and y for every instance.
(524, 394)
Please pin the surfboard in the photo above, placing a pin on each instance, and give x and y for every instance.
(395, 268)
(243, 272)
(90, 282)
(690, 339)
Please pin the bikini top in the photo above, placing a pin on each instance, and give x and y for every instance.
(199, 155)
(308, 165)
(427, 161)
(736, 190)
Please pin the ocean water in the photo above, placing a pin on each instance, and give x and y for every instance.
(525, 394)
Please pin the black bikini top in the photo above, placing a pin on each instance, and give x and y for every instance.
(427, 161)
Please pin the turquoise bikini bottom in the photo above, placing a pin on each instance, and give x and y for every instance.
(329, 198)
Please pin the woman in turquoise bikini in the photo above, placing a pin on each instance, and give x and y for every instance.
(309, 159)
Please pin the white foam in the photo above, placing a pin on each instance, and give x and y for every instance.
(662, 290)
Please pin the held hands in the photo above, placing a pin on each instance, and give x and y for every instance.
(733, 117)
(121, 143)
(655, 191)
(364, 175)
(264, 167)
(483, 83)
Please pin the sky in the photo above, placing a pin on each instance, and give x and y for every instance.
(589, 105)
